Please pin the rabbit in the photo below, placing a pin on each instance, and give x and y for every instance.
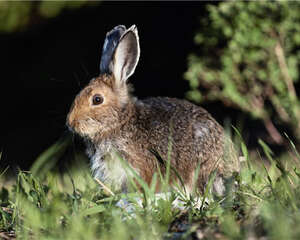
(146, 133)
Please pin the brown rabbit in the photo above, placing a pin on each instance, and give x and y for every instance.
(113, 123)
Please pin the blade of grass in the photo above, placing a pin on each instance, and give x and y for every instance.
(208, 186)
(162, 161)
(107, 189)
(92, 211)
(48, 159)
(293, 146)
(243, 147)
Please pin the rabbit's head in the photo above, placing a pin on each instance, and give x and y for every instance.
(101, 107)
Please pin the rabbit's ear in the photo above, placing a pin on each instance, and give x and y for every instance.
(126, 55)
(111, 41)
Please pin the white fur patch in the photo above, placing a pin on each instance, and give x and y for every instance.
(200, 130)
(219, 186)
(131, 207)
(106, 166)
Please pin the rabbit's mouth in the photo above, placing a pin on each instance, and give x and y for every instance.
(86, 128)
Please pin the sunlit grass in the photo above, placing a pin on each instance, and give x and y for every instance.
(42, 204)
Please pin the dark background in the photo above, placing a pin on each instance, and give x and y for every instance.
(44, 67)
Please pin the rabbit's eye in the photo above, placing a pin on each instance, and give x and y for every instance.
(97, 99)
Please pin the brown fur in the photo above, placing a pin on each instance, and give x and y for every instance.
(139, 129)
(151, 124)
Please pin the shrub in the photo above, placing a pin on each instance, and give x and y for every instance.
(249, 59)
(15, 16)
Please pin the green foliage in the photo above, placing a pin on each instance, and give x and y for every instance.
(249, 59)
(16, 15)
(264, 203)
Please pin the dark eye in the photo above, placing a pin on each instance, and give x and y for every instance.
(97, 99)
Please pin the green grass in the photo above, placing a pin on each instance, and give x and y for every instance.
(42, 204)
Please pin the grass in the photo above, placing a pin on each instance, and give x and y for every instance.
(42, 204)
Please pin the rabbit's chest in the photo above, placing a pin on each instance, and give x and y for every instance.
(106, 166)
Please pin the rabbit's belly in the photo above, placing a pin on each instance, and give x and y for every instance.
(107, 167)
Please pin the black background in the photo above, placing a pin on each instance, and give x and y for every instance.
(44, 67)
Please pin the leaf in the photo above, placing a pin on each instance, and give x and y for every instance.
(92, 210)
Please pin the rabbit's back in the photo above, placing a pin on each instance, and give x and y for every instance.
(190, 134)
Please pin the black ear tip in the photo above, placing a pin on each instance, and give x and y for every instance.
(119, 28)
(110, 43)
